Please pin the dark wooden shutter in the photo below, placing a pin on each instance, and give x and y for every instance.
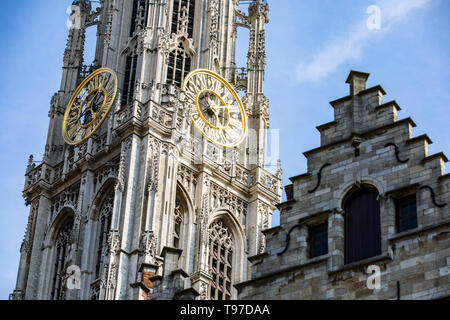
(362, 226)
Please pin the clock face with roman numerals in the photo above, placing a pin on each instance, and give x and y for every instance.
(216, 109)
(89, 106)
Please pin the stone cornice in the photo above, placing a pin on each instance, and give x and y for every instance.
(334, 103)
(360, 135)
(418, 138)
(435, 156)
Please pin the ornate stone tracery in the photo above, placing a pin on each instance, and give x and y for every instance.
(62, 245)
(145, 152)
(220, 260)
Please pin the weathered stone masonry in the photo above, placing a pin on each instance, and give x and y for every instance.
(365, 146)
(145, 193)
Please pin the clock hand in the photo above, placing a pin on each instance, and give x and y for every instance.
(95, 101)
(89, 106)
(85, 110)
(228, 107)
(76, 133)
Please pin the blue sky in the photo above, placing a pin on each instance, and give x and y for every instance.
(311, 47)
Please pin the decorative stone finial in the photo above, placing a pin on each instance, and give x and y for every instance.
(279, 170)
(30, 165)
(357, 81)
(183, 27)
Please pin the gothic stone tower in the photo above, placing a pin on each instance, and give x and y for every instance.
(147, 202)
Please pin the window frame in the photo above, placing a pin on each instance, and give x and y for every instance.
(408, 199)
(353, 251)
(313, 230)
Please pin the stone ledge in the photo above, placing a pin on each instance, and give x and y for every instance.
(372, 89)
(421, 137)
(340, 100)
(415, 231)
(359, 135)
(286, 270)
(304, 175)
(186, 292)
(392, 103)
(167, 249)
(314, 215)
(401, 189)
(361, 93)
(155, 278)
(286, 203)
(145, 265)
(357, 264)
(272, 230)
(257, 257)
(326, 126)
(434, 156)
(140, 285)
(181, 272)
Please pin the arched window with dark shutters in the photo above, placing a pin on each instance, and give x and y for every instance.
(362, 225)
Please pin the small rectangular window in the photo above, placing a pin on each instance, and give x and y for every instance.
(318, 239)
(406, 213)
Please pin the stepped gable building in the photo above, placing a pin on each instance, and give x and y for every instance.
(147, 208)
(372, 196)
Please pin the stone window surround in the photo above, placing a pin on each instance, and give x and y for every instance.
(383, 257)
(388, 227)
(397, 194)
(386, 207)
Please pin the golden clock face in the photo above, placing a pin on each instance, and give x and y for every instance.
(89, 106)
(216, 109)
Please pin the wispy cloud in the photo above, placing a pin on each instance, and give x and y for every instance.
(351, 45)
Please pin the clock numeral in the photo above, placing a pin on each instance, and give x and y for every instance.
(201, 125)
(214, 135)
(235, 123)
(195, 117)
(222, 137)
(202, 81)
(206, 130)
(190, 96)
(233, 135)
(74, 113)
(233, 109)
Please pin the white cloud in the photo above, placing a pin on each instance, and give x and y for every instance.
(350, 46)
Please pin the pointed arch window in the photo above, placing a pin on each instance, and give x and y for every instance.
(178, 5)
(105, 218)
(179, 65)
(129, 79)
(62, 245)
(178, 225)
(183, 12)
(220, 260)
(139, 15)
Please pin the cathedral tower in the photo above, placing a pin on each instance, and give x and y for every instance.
(147, 202)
